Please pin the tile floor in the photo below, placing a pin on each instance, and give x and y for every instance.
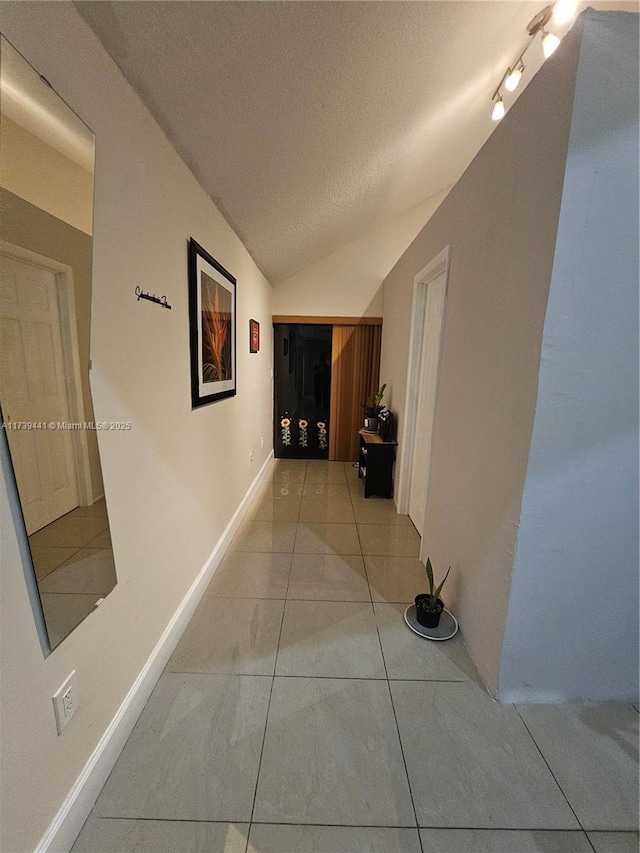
(73, 562)
(298, 712)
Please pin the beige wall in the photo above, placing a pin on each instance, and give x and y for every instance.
(41, 175)
(500, 221)
(172, 482)
(347, 282)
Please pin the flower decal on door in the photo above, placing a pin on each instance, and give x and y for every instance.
(285, 431)
(322, 435)
(302, 426)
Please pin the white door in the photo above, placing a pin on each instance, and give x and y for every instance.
(426, 399)
(33, 389)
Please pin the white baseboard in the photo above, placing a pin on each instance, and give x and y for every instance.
(68, 822)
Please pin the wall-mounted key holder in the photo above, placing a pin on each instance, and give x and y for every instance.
(151, 297)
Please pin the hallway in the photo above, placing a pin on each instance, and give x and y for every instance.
(299, 713)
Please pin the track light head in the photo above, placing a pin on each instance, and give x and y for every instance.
(564, 11)
(513, 77)
(550, 43)
(498, 109)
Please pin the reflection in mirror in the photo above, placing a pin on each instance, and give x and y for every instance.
(46, 209)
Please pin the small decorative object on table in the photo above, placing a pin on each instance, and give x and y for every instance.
(372, 408)
(385, 425)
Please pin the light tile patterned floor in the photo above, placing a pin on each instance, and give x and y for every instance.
(299, 714)
(73, 562)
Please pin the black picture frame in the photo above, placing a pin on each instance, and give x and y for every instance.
(212, 328)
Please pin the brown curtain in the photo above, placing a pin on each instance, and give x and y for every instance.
(355, 375)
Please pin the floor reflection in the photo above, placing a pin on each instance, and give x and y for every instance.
(73, 562)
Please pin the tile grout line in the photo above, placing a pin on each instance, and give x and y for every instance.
(331, 678)
(395, 717)
(273, 679)
(64, 562)
(364, 563)
(451, 829)
(404, 760)
(589, 841)
(535, 743)
(62, 592)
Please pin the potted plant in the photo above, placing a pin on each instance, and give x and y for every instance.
(372, 407)
(429, 606)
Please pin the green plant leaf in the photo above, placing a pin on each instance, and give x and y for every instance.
(437, 593)
(429, 569)
(434, 592)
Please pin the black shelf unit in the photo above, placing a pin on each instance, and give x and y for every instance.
(375, 463)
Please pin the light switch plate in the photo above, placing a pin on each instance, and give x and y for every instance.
(65, 701)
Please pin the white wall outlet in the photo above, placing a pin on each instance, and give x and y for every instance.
(262, 442)
(250, 457)
(65, 701)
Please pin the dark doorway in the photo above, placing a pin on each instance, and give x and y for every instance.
(302, 372)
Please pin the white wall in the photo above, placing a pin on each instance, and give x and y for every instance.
(174, 481)
(500, 221)
(348, 281)
(572, 627)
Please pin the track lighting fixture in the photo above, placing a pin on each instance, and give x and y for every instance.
(561, 11)
(498, 109)
(514, 76)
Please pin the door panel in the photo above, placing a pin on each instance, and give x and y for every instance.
(356, 376)
(425, 409)
(33, 390)
(302, 368)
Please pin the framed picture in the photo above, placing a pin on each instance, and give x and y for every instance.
(254, 336)
(212, 328)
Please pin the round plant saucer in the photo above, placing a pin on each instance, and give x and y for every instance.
(447, 628)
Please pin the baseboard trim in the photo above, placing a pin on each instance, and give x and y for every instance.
(71, 816)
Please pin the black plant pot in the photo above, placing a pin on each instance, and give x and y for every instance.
(427, 617)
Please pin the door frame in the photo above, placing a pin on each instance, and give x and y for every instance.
(436, 268)
(335, 410)
(63, 274)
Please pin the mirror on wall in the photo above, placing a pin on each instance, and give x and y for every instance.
(46, 215)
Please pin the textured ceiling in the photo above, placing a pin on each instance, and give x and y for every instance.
(311, 123)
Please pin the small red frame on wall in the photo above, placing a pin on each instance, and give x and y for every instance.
(254, 336)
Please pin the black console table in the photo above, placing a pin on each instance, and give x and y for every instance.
(376, 464)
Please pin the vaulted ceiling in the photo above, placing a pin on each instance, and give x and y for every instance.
(312, 123)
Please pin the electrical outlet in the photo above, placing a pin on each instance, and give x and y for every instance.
(262, 442)
(65, 701)
(250, 457)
